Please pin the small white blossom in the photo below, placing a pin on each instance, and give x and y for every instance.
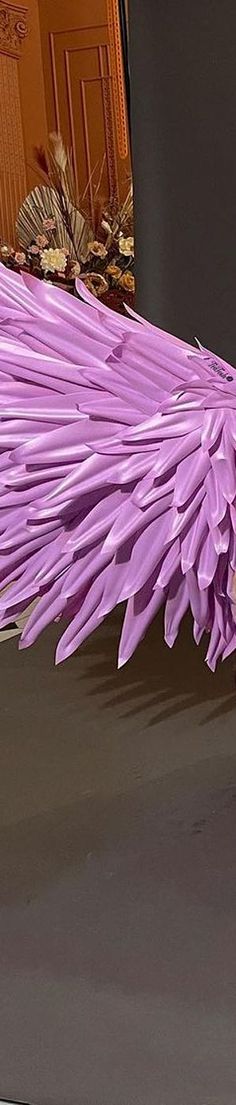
(53, 260)
(126, 246)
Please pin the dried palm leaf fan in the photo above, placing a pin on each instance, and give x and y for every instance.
(43, 203)
(56, 198)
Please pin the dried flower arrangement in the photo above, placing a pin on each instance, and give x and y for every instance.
(57, 243)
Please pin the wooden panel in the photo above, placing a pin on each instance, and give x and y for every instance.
(22, 107)
(83, 104)
(118, 77)
(12, 167)
(80, 91)
(12, 163)
(32, 93)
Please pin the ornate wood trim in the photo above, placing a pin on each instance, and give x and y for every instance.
(13, 28)
(118, 77)
(105, 70)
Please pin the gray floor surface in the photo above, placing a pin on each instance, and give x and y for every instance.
(117, 875)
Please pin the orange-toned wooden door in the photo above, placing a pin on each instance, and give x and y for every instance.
(60, 67)
(79, 91)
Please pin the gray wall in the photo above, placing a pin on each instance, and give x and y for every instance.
(183, 75)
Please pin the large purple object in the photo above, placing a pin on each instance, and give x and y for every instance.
(117, 472)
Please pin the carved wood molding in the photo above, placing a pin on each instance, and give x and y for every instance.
(13, 28)
(118, 77)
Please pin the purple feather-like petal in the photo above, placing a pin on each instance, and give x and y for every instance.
(117, 472)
